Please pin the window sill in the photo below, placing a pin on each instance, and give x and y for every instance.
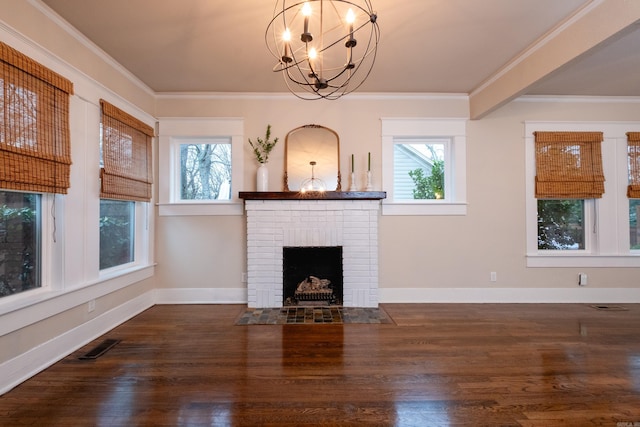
(586, 260)
(201, 208)
(26, 299)
(424, 208)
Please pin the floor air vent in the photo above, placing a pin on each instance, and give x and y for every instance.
(99, 350)
(606, 307)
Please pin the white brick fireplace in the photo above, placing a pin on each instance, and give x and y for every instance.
(276, 223)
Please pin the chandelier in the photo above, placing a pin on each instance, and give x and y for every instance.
(324, 48)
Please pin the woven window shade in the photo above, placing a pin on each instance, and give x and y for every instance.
(35, 153)
(569, 165)
(633, 149)
(126, 155)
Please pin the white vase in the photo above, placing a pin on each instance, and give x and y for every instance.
(262, 178)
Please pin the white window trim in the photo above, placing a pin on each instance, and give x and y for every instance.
(606, 219)
(174, 131)
(453, 129)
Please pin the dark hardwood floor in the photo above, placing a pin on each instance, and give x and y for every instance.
(438, 365)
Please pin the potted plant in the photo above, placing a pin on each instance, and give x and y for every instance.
(262, 148)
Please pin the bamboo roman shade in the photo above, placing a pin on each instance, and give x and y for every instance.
(633, 149)
(35, 153)
(569, 165)
(126, 153)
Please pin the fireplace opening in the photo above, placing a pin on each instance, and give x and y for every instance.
(312, 275)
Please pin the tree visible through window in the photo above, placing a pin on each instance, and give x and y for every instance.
(205, 171)
(117, 232)
(19, 242)
(430, 186)
(561, 224)
(419, 170)
(20, 116)
(634, 210)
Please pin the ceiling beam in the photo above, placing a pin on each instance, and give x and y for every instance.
(593, 24)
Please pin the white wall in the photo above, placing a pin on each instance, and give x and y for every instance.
(450, 259)
(41, 326)
(356, 119)
(422, 258)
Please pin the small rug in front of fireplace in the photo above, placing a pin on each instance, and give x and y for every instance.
(313, 316)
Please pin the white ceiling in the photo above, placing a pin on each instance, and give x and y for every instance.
(427, 46)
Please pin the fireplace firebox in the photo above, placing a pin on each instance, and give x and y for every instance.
(312, 275)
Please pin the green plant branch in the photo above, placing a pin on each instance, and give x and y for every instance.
(262, 147)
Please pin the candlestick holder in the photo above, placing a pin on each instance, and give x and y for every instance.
(352, 186)
(369, 187)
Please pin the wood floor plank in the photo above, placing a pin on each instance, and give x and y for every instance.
(438, 365)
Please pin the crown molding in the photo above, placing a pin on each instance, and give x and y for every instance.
(580, 99)
(290, 96)
(91, 46)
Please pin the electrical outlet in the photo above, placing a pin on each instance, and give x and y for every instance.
(493, 276)
(244, 278)
(582, 279)
(91, 305)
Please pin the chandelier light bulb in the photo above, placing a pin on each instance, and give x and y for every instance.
(306, 36)
(351, 18)
(286, 39)
(306, 9)
(351, 41)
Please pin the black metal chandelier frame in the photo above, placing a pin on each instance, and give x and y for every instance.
(307, 77)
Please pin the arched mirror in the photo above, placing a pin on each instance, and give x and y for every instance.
(312, 158)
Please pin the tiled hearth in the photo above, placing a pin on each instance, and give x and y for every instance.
(276, 223)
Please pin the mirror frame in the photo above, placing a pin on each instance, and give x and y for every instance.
(287, 143)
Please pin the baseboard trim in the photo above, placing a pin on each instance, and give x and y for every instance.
(23, 367)
(201, 296)
(509, 295)
(426, 295)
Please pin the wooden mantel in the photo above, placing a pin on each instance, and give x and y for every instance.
(313, 195)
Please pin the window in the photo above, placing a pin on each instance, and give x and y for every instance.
(201, 166)
(125, 177)
(35, 158)
(424, 166)
(577, 211)
(561, 224)
(205, 170)
(633, 189)
(419, 169)
(568, 171)
(117, 233)
(634, 231)
(20, 249)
